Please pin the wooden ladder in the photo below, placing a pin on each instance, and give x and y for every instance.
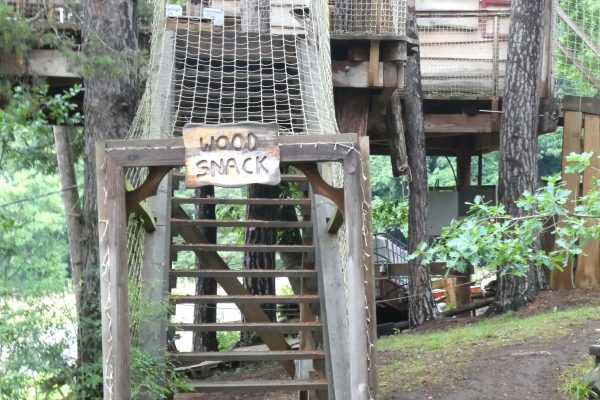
(303, 366)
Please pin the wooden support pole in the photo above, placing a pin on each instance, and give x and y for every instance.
(368, 265)
(563, 280)
(463, 169)
(355, 278)
(396, 139)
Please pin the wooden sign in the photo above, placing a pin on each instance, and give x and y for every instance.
(231, 155)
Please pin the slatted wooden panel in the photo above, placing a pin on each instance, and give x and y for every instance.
(588, 266)
(562, 280)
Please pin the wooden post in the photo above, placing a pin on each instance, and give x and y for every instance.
(397, 141)
(368, 265)
(463, 169)
(333, 311)
(355, 277)
(352, 110)
(563, 280)
(113, 276)
(587, 275)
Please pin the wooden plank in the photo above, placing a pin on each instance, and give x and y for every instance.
(368, 265)
(587, 105)
(254, 386)
(437, 268)
(355, 74)
(222, 223)
(458, 123)
(257, 248)
(232, 286)
(231, 155)
(144, 153)
(333, 311)
(396, 139)
(114, 301)
(245, 299)
(374, 63)
(587, 274)
(229, 356)
(249, 326)
(246, 273)
(562, 280)
(263, 202)
(357, 321)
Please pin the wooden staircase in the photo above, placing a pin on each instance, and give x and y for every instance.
(304, 366)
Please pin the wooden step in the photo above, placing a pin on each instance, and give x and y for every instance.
(255, 248)
(232, 356)
(254, 201)
(249, 326)
(245, 273)
(248, 223)
(256, 386)
(246, 299)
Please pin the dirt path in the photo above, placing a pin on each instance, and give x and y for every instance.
(523, 372)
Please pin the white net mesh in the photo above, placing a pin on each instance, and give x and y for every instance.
(372, 17)
(463, 54)
(577, 48)
(237, 61)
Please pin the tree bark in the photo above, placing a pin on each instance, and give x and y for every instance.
(396, 138)
(518, 137)
(206, 313)
(421, 304)
(71, 204)
(112, 92)
(260, 260)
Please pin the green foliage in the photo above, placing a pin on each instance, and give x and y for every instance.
(36, 345)
(17, 36)
(227, 340)
(572, 380)
(491, 238)
(33, 245)
(152, 379)
(390, 215)
(26, 139)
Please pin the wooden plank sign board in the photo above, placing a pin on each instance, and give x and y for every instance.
(231, 155)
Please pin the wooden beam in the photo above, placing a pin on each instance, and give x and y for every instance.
(355, 274)
(171, 152)
(374, 63)
(364, 74)
(587, 105)
(335, 222)
(367, 263)
(448, 124)
(114, 301)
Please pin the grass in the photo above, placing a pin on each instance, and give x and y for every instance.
(425, 357)
(572, 380)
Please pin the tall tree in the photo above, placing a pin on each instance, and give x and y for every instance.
(518, 137)
(421, 304)
(260, 260)
(203, 313)
(112, 91)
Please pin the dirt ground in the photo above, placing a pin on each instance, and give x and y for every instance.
(523, 371)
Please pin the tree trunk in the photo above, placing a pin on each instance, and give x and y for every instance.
(71, 204)
(111, 95)
(206, 313)
(518, 137)
(421, 304)
(260, 260)
(396, 137)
